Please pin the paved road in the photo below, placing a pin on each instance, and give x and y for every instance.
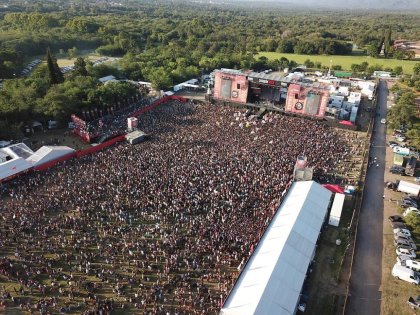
(365, 283)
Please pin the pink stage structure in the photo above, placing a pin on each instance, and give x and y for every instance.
(231, 85)
(310, 100)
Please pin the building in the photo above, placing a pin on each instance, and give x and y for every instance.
(272, 279)
(109, 78)
(307, 99)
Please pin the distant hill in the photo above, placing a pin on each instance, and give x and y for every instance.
(361, 4)
(399, 5)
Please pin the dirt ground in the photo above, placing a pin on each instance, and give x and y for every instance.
(325, 287)
(54, 137)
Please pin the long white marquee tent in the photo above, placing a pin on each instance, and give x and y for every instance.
(272, 279)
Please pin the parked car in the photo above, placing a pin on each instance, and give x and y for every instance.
(383, 121)
(400, 225)
(392, 185)
(414, 303)
(393, 144)
(404, 243)
(396, 218)
(403, 231)
(405, 251)
(404, 273)
(408, 204)
(402, 236)
(397, 170)
(410, 210)
(413, 264)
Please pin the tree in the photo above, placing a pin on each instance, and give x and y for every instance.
(414, 136)
(308, 63)
(284, 62)
(398, 70)
(416, 68)
(159, 78)
(54, 72)
(387, 41)
(363, 66)
(404, 112)
(374, 48)
(413, 221)
(80, 67)
(72, 52)
(355, 68)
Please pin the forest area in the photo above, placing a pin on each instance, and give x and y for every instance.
(166, 43)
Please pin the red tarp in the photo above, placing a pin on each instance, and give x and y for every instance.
(99, 147)
(54, 162)
(346, 122)
(334, 188)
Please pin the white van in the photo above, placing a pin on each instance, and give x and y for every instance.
(401, 259)
(411, 209)
(404, 273)
(413, 265)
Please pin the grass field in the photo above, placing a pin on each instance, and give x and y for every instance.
(344, 61)
(64, 61)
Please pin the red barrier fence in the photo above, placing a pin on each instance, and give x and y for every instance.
(99, 147)
(54, 162)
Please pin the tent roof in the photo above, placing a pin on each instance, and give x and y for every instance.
(48, 153)
(272, 279)
(13, 167)
(107, 78)
(18, 150)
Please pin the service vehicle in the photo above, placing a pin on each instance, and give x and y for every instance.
(404, 273)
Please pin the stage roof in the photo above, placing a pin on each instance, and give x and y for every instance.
(272, 279)
(268, 76)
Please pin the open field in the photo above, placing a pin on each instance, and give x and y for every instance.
(344, 61)
(64, 61)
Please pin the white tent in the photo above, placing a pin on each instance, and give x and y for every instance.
(13, 167)
(272, 279)
(48, 153)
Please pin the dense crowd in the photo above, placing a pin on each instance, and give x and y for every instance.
(163, 227)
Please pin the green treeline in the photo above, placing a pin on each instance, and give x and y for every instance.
(174, 36)
(164, 43)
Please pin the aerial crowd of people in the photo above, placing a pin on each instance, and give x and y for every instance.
(163, 227)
